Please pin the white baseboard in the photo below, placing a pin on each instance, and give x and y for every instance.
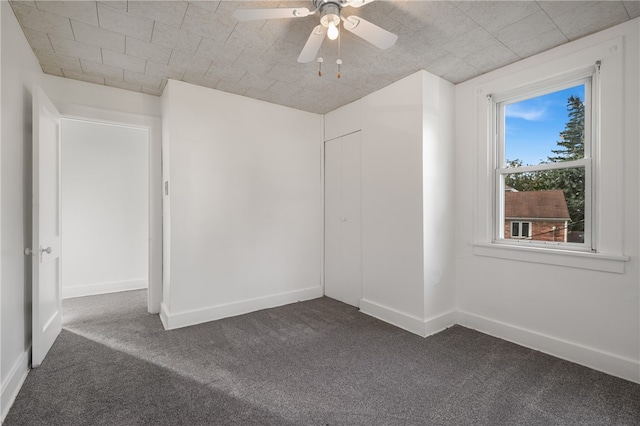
(13, 383)
(173, 320)
(103, 288)
(164, 316)
(596, 359)
(408, 322)
(440, 322)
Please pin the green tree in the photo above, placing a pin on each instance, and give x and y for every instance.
(570, 148)
(571, 143)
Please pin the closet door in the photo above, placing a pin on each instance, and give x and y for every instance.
(343, 259)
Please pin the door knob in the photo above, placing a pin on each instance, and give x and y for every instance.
(46, 250)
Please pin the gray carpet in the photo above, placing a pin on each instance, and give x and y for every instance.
(311, 363)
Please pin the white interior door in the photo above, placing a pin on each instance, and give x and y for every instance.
(47, 301)
(343, 252)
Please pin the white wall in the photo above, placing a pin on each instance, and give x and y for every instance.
(407, 175)
(590, 317)
(245, 204)
(438, 167)
(392, 232)
(20, 71)
(104, 203)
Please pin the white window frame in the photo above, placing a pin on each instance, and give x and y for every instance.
(519, 222)
(590, 78)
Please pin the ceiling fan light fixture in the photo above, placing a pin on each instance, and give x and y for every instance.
(330, 18)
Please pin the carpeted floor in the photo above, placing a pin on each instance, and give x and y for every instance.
(319, 362)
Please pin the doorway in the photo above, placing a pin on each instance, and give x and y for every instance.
(150, 128)
(104, 186)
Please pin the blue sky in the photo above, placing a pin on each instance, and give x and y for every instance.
(533, 126)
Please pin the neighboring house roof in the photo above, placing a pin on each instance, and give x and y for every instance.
(536, 205)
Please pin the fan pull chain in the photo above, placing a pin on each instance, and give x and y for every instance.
(339, 61)
(320, 60)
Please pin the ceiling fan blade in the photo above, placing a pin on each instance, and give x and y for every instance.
(372, 33)
(312, 46)
(357, 3)
(275, 13)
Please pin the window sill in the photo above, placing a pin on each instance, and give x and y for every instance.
(548, 256)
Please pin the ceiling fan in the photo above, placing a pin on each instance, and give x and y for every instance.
(330, 17)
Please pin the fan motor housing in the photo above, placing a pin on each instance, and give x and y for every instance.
(330, 13)
(320, 3)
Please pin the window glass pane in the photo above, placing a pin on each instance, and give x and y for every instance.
(515, 229)
(545, 129)
(525, 229)
(553, 201)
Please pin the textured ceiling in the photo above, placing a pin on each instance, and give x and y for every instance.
(138, 45)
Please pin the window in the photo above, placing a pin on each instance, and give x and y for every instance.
(520, 229)
(543, 170)
(600, 68)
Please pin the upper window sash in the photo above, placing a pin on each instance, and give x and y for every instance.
(500, 101)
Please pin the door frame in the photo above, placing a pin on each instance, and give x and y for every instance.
(153, 124)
